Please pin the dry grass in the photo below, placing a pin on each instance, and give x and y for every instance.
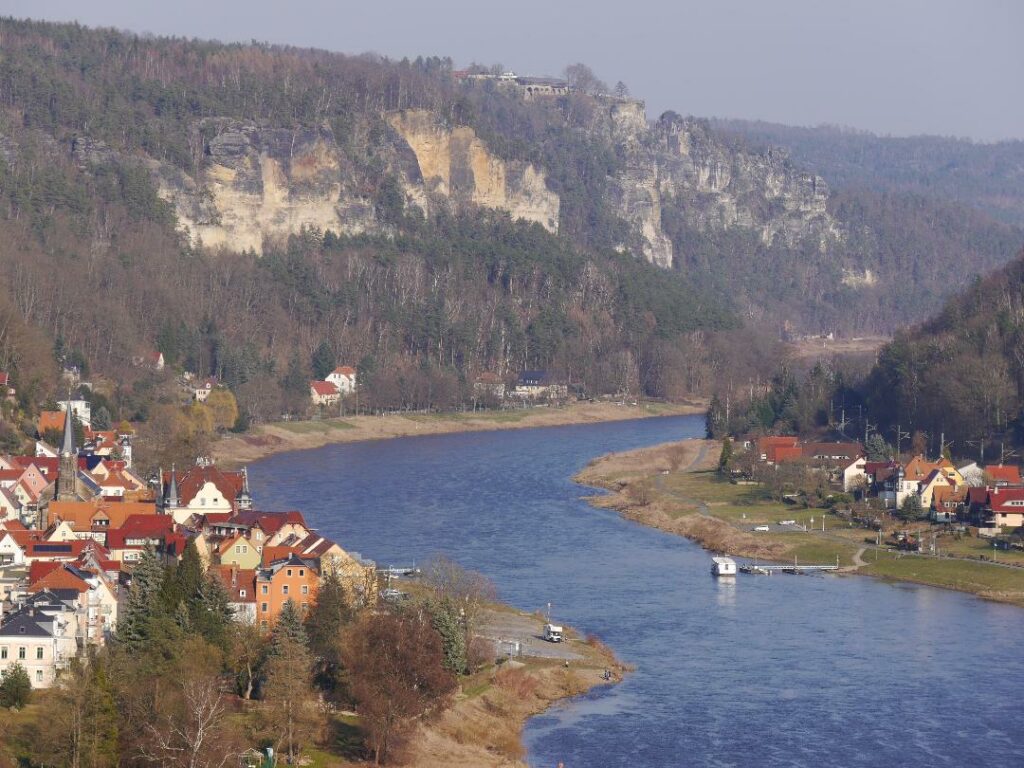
(294, 436)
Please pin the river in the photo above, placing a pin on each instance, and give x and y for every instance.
(782, 671)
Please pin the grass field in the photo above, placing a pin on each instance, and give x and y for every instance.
(313, 427)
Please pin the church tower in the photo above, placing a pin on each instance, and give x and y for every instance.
(67, 479)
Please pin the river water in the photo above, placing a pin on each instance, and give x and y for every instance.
(782, 671)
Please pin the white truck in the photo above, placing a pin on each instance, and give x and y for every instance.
(552, 633)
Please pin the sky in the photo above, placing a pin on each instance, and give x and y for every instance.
(899, 67)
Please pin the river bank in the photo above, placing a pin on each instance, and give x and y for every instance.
(281, 437)
(674, 487)
(484, 728)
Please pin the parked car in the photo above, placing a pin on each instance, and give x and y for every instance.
(787, 522)
(761, 528)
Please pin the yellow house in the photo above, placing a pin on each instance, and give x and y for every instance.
(937, 479)
(239, 551)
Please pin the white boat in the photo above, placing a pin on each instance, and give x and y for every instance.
(723, 566)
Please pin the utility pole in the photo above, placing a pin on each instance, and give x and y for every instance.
(900, 434)
(1005, 454)
(980, 443)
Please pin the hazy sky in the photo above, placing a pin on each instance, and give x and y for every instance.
(891, 66)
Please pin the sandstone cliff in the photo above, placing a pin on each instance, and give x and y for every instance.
(679, 167)
(256, 182)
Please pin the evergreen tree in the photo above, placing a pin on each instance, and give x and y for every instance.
(212, 611)
(101, 418)
(725, 457)
(911, 508)
(445, 618)
(144, 604)
(288, 628)
(323, 360)
(15, 687)
(877, 449)
(83, 724)
(328, 615)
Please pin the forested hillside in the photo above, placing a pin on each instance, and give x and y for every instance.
(961, 373)
(256, 212)
(987, 177)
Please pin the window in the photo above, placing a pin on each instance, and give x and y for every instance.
(284, 589)
(21, 652)
(238, 549)
(39, 675)
(3, 652)
(263, 607)
(263, 625)
(302, 571)
(305, 589)
(241, 593)
(266, 589)
(289, 571)
(39, 651)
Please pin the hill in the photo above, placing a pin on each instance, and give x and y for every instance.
(961, 373)
(255, 211)
(988, 177)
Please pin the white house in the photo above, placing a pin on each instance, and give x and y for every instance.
(202, 390)
(344, 378)
(41, 638)
(854, 474)
(81, 408)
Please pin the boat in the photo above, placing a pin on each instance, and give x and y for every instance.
(723, 566)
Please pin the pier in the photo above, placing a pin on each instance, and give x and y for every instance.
(796, 567)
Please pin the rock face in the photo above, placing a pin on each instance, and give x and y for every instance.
(455, 165)
(261, 183)
(258, 182)
(678, 167)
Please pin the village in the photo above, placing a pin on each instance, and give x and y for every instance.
(916, 501)
(75, 521)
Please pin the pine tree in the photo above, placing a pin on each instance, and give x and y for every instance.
(328, 615)
(877, 449)
(143, 604)
(725, 457)
(15, 687)
(445, 618)
(288, 628)
(323, 360)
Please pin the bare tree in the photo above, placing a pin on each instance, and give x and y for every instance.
(470, 590)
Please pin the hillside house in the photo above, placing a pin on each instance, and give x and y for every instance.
(292, 578)
(41, 637)
(323, 393)
(489, 384)
(343, 378)
(539, 385)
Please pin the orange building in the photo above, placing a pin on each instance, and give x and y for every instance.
(291, 578)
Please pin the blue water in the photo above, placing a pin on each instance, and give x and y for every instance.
(782, 671)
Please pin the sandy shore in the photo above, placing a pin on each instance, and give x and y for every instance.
(234, 450)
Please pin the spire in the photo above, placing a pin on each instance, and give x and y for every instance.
(244, 497)
(68, 446)
(172, 489)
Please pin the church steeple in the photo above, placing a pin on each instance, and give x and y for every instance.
(67, 477)
(68, 445)
(244, 498)
(171, 500)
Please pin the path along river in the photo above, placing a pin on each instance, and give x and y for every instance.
(782, 671)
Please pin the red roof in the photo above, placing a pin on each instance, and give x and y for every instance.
(345, 370)
(59, 578)
(55, 550)
(41, 568)
(5, 378)
(323, 388)
(1004, 473)
(12, 525)
(269, 522)
(1002, 499)
(147, 525)
(236, 580)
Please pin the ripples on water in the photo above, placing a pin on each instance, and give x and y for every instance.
(787, 671)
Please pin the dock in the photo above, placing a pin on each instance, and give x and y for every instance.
(400, 571)
(796, 567)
